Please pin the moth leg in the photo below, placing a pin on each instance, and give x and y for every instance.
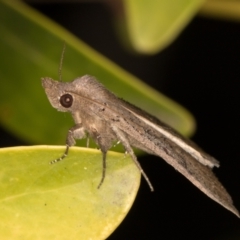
(75, 132)
(104, 144)
(87, 142)
(104, 166)
(121, 136)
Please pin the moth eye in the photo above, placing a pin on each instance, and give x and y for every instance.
(66, 100)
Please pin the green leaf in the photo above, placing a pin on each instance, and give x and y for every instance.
(224, 9)
(61, 201)
(154, 24)
(30, 47)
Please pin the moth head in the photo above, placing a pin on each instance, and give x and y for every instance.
(57, 96)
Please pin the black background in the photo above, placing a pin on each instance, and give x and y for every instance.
(201, 71)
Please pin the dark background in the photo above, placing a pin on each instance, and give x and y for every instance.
(201, 71)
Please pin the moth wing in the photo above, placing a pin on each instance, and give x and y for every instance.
(145, 134)
(170, 133)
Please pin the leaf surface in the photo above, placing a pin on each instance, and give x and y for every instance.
(61, 201)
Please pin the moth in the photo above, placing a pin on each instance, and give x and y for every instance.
(101, 115)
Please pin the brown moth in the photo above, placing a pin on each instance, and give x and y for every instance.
(104, 117)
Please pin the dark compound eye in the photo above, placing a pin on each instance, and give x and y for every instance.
(66, 100)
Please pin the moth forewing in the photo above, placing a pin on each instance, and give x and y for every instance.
(171, 134)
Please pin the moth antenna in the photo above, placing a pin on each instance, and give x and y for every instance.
(61, 62)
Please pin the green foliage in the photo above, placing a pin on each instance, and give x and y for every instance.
(153, 25)
(61, 201)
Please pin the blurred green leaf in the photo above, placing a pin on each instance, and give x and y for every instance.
(61, 201)
(225, 9)
(154, 24)
(30, 47)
